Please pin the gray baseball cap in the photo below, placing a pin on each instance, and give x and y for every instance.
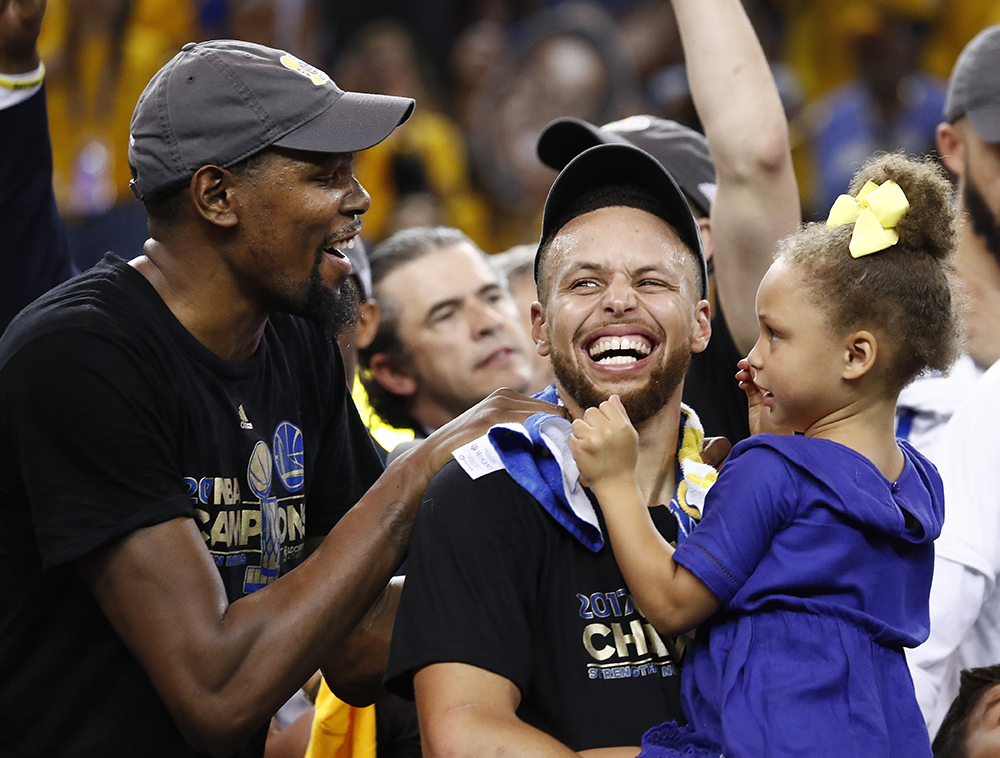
(974, 86)
(682, 151)
(218, 102)
(621, 164)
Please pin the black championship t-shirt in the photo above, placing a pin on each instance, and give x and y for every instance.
(495, 582)
(113, 418)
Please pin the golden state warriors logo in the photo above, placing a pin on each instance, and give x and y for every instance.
(289, 456)
(301, 67)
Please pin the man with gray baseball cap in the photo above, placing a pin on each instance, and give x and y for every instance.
(964, 410)
(176, 435)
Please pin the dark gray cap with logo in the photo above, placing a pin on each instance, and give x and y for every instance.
(974, 86)
(218, 102)
(610, 164)
(682, 151)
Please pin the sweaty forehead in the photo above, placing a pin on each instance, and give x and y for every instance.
(617, 238)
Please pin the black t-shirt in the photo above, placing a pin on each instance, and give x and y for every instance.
(493, 581)
(711, 387)
(112, 418)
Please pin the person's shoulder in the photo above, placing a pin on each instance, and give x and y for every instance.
(495, 496)
(100, 299)
(452, 478)
(797, 455)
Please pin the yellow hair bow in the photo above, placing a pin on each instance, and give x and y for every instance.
(874, 212)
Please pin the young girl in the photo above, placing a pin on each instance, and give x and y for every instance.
(812, 565)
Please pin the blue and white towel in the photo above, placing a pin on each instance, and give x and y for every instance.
(536, 455)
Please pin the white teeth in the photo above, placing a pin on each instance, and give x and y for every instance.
(618, 360)
(608, 344)
(350, 244)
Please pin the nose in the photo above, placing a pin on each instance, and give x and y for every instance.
(356, 199)
(486, 319)
(754, 357)
(619, 297)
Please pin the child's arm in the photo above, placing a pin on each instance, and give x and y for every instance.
(604, 444)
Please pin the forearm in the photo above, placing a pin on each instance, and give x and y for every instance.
(732, 87)
(757, 199)
(355, 671)
(645, 558)
(477, 731)
(20, 22)
(467, 712)
(224, 669)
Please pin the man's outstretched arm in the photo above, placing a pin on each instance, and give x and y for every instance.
(224, 668)
(757, 198)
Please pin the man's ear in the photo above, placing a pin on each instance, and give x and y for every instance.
(368, 317)
(951, 148)
(705, 227)
(211, 190)
(701, 329)
(860, 351)
(538, 332)
(396, 380)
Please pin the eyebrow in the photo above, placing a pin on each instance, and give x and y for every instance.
(456, 302)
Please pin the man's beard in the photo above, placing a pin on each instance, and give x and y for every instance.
(642, 403)
(984, 223)
(334, 310)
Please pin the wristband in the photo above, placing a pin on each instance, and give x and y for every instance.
(23, 81)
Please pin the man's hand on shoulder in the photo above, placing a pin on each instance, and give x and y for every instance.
(20, 25)
(502, 406)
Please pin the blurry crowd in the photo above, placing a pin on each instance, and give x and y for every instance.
(855, 77)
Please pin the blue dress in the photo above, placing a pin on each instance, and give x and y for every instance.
(823, 567)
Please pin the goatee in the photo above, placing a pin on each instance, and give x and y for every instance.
(642, 403)
(984, 223)
(334, 310)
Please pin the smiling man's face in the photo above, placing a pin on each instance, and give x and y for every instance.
(299, 211)
(621, 312)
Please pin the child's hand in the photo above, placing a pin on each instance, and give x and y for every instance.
(755, 398)
(760, 418)
(605, 444)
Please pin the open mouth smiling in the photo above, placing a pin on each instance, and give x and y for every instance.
(619, 350)
(337, 249)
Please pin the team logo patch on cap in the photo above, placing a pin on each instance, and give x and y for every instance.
(630, 124)
(301, 67)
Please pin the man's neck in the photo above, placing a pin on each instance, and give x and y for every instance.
(656, 468)
(205, 302)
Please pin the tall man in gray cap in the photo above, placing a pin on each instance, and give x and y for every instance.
(516, 631)
(965, 594)
(176, 434)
